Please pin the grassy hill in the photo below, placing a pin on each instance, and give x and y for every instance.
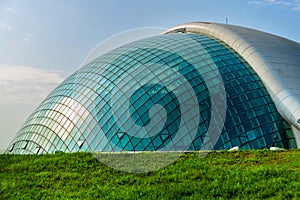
(223, 175)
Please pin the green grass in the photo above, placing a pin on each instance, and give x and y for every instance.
(220, 175)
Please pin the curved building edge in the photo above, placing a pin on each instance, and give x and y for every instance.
(276, 61)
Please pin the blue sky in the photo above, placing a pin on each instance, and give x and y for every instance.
(42, 42)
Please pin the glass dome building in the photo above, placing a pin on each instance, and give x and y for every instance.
(196, 86)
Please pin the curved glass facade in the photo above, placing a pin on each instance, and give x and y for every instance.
(155, 94)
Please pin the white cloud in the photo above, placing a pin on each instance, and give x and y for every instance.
(5, 26)
(288, 4)
(25, 85)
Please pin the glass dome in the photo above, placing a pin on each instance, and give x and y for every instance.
(156, 94)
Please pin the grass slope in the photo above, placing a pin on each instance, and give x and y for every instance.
(220, 175)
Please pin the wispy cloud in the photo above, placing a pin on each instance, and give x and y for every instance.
(11, 10)
(288, 4)
(26, 38)
(25, 85)
(297, 7)
(5, 26)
